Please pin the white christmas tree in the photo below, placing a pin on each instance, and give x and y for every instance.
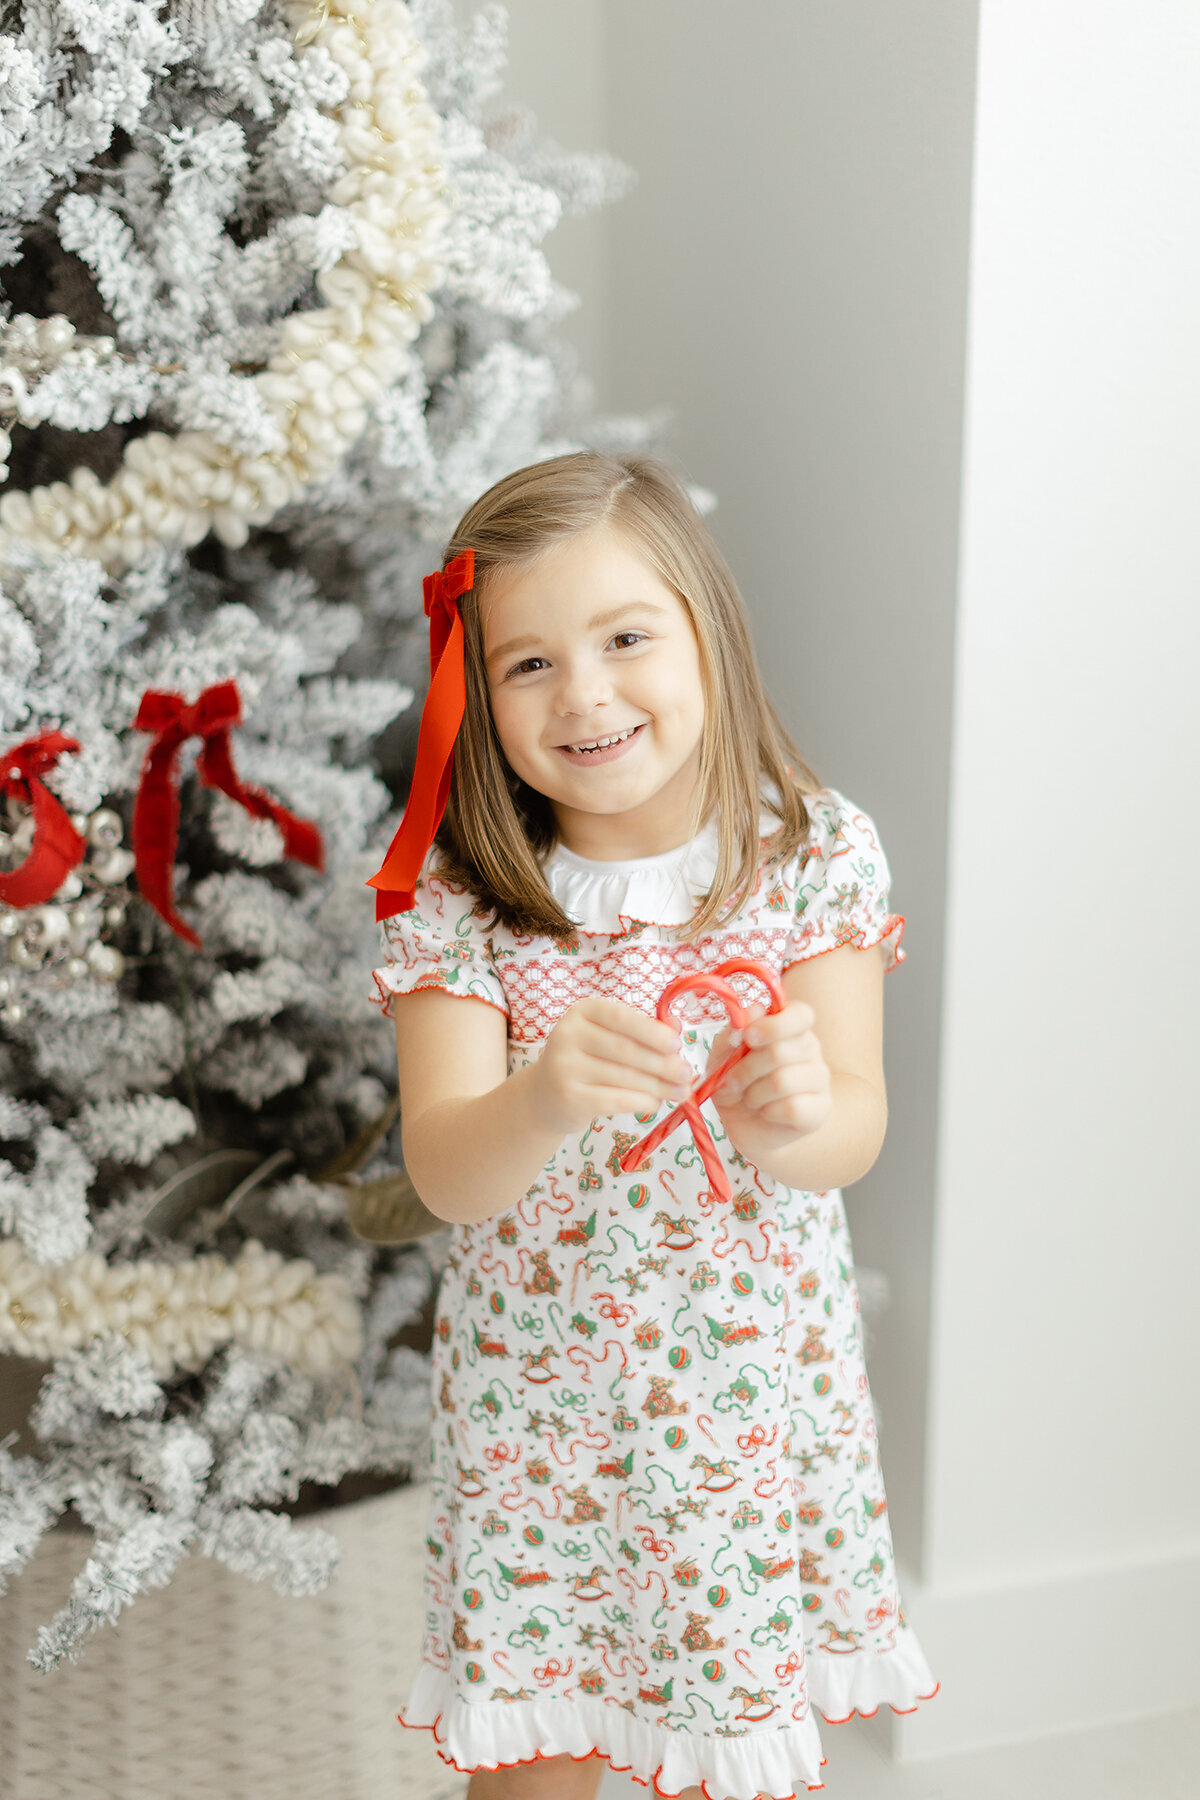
(274, 311)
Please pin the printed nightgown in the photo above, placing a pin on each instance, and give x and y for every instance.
(658, 1526)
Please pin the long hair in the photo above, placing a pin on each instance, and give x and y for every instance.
(496, 828)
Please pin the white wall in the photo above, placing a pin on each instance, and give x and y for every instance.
(1064, 1459)
(988, 638)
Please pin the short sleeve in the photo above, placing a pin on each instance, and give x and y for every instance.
(841, 884)
(437, 943)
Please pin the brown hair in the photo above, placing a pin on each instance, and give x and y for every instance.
(496, 827)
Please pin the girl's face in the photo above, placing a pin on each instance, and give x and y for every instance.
(597, 693)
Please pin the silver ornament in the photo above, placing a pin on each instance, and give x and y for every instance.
(114, 916)
(104, 829)
(12, 1014)
(112, 866)
(71, 888)
(24, 954)
(75, 968)
(55, 335)
(81, 918)
(105, 963)
(47, 926)
(10, 922)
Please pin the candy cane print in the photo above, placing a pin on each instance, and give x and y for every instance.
(700, 1421)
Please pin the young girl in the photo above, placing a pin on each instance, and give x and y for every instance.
(658, 1532)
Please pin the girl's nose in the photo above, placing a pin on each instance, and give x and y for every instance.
(581, 689)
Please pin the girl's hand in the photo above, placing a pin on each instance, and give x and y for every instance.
(606, 1057)
(781, 1089)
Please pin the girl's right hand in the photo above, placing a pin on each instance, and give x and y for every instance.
(606, 1057)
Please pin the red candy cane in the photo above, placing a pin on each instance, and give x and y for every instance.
(707, 981)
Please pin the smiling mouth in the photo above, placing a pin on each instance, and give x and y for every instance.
(601, 749)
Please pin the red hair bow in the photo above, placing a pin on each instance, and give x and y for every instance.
(57, 846)
(395, 883)
(156, 808)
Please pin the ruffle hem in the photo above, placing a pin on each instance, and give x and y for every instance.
(780, 1762)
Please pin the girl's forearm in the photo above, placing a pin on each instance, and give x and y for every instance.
(474, 1157)
(838, 1152)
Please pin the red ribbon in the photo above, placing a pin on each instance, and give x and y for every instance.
(396, 881)
(57, 847)
(156, 808)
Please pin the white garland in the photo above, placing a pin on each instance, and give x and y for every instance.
(180, 1314)
(333, 363)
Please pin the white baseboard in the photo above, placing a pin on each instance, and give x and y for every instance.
(1054, 1654)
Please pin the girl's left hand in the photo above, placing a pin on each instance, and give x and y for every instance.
(782, 1084)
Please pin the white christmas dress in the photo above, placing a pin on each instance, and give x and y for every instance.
(658, 1527)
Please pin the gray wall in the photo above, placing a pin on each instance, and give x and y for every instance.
(920, 282)
(789, 277)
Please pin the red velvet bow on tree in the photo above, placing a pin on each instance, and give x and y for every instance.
(396, 881)
(57, 847)
(156, 808)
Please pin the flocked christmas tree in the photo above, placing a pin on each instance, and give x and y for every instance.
(274, 311)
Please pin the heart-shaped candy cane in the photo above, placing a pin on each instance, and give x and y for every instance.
(707, 981)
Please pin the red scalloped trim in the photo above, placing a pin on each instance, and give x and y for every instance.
(662, 1793)
(617, 1768)
(892, 922)
(903, 1712)
(387, 994)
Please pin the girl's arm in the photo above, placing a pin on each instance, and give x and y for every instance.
(475, 1137)
(808, 1105)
